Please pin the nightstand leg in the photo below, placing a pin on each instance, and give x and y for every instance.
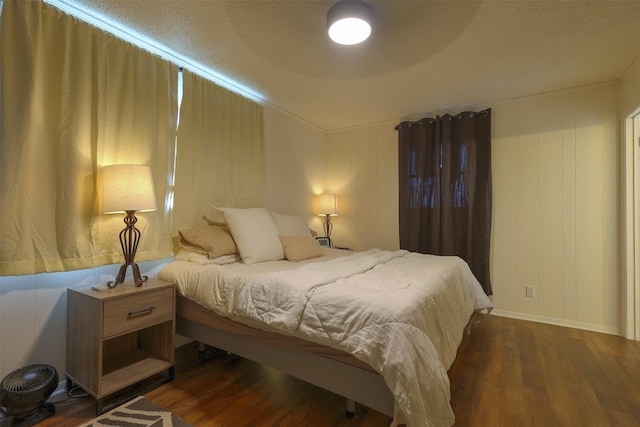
(69, 385)
(99, 406)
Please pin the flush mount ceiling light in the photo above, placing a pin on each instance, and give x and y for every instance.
(349, 22)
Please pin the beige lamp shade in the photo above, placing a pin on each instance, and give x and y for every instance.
(127, 188)
(327, 205)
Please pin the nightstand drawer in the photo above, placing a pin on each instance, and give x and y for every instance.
(135, 312)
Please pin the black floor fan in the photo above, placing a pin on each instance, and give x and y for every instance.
(24, 393)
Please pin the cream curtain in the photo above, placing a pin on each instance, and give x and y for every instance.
(74, 99)
(220, 152)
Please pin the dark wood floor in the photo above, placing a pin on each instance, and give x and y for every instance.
(508, 373)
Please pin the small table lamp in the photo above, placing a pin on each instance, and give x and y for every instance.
(327, 207)
(128, 188)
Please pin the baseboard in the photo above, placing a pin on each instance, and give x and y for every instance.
(558, 322)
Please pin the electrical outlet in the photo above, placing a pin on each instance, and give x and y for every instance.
(531, 291)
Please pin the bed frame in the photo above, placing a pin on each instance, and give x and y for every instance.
(352, 382)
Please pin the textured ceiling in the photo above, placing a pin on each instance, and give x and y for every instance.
(423, 56)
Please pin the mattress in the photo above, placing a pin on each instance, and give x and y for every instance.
(402, 314)
(195, 312)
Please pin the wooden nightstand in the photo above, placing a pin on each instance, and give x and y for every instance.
(119, 339)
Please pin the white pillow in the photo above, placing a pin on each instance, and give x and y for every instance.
(291, 226)
(255, 234)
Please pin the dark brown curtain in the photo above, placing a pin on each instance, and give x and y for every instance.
(445, 188)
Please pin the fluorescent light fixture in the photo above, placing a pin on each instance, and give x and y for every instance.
(349, 22)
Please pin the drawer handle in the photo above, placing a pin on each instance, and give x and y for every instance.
(142, 311)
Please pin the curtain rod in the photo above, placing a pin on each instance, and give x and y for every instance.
(450, 116)
(94, 18)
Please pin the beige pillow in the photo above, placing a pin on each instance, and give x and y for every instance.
(299, 248)
(205, 260)
(211, 240)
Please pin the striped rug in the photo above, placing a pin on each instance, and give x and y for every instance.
(138, 412)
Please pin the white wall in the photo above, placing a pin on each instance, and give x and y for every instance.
(362, 170)
(295, 156)
(556, 163)
(557, 210)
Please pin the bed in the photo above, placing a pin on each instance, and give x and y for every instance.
(378, 327)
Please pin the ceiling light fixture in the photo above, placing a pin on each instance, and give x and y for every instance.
(349, 22)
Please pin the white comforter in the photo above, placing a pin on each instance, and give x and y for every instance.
(402, 313)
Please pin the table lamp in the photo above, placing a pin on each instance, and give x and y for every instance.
(327, 207)
(129, 189)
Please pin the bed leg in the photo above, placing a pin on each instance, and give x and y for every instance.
(202, 352)
(351, 409)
